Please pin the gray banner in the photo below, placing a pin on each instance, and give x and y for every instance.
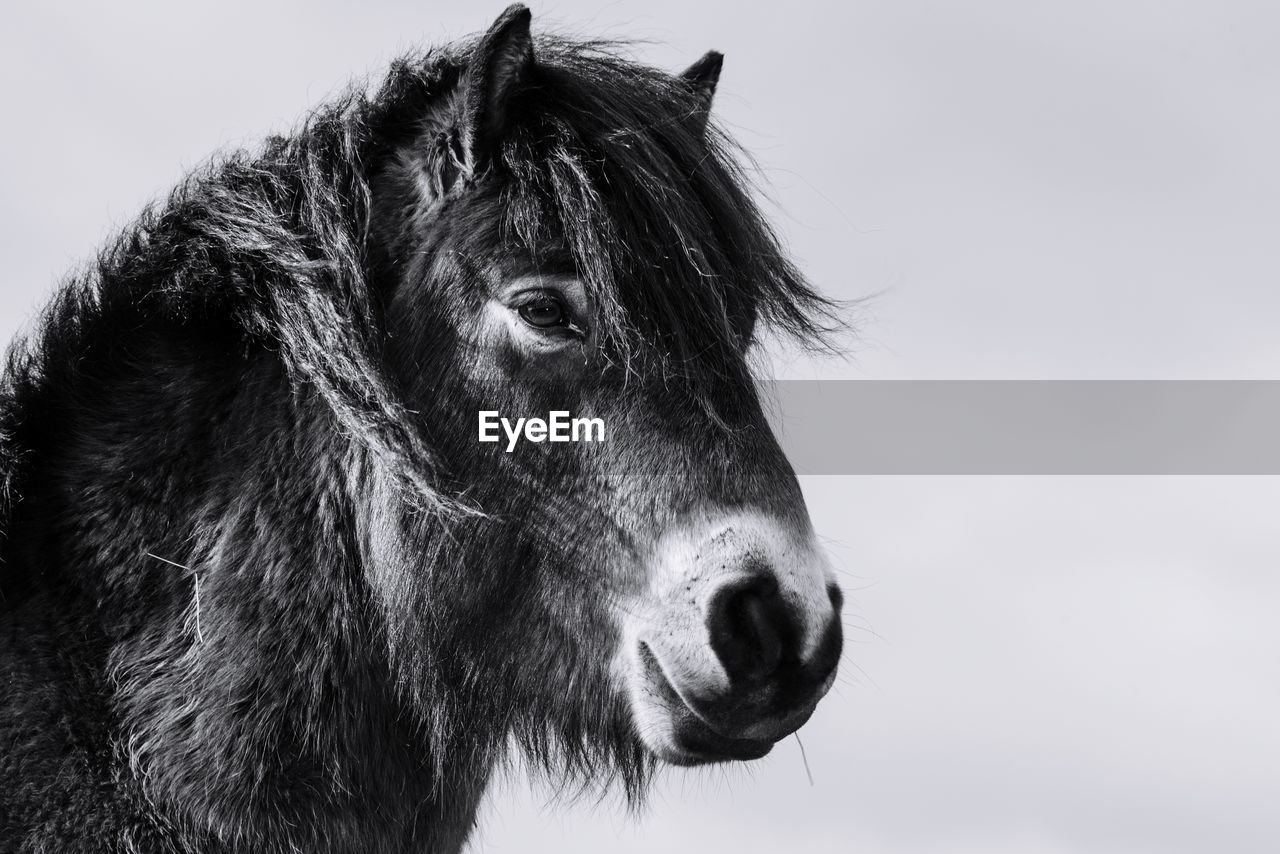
(1179, 427)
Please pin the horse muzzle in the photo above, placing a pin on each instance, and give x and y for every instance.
(736, 642)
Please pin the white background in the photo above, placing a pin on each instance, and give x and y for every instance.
(1029, 190)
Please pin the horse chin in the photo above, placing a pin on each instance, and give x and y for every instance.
(673, 732)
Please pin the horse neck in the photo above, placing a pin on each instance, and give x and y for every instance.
(208, 513)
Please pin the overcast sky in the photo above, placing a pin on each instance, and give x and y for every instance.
(1030, 190)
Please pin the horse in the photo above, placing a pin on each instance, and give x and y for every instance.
(263, 589)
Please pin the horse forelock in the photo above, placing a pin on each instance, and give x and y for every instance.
(612, 161)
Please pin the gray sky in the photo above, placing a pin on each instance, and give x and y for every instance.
(1032, 190)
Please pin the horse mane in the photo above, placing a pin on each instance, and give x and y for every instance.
(270, 241)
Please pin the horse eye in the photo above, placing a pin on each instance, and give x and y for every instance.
(544, 313)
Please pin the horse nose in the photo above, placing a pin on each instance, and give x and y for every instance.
(778, 652)
(751, 630)
(760, 638)
(740, 641)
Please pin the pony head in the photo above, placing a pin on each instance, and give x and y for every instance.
(559, 229)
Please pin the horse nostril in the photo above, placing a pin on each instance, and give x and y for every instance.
(752, 625)
(750, 628)
(836, 595)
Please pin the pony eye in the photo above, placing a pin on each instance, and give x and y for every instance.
(544, 312)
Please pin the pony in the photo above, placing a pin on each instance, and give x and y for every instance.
(262, 587)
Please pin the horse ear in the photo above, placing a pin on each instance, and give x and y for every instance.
(500, 64)
(702, 78)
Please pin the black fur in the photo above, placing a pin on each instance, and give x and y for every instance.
(258, 592)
